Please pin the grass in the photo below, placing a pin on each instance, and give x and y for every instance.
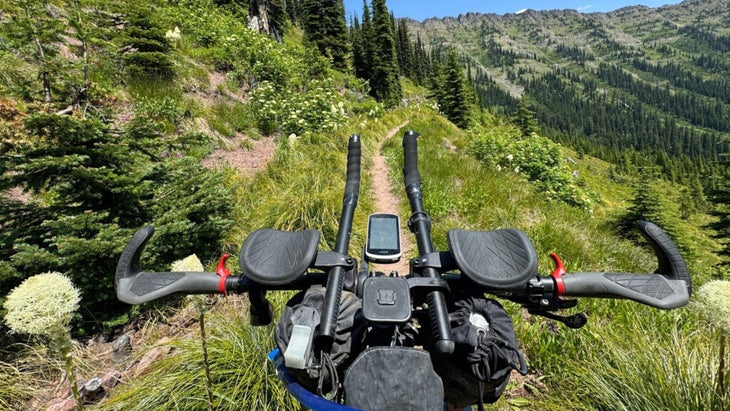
(239, 372)
(629, 357)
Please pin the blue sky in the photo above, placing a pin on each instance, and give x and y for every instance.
(423, 9)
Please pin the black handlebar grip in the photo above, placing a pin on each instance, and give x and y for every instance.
(671, 263)
(135, 286)
(352, 186)
(410, 159)
(669, 287)
(651, 289)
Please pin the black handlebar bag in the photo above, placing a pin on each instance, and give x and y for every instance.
(393, 378)
(486, 352)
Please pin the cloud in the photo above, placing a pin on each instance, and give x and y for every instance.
(584, 8)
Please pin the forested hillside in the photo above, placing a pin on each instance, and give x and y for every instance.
(644, 80)
(571, 127)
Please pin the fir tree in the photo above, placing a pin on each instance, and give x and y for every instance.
(362, 49)
(457, 96)
(36, 32)
(384, 81)
(324, 24)
(90, 189)
(524, 119)
(144, 46)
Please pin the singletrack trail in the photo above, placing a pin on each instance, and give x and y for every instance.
(387, 202)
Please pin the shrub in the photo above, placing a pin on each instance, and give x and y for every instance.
(535, 157)
(97, 189)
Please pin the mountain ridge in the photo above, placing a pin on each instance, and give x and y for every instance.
(667, 66)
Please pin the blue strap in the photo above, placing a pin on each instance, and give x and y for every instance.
(305, 397)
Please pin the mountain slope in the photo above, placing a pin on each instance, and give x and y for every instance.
(634, 79)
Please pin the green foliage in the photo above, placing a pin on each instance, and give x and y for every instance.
(383, 70)
(450, 87)
(14, 386)
(595, 367)
(654, 370)
(323, 22)
(537, 158)
(98, 188)
(32, 28)
(144, 46)
(223, 39)
(524, 119)
(310, 110)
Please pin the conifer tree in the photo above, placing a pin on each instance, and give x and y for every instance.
(458, 98)
(97, 186)
(324, 24)
(144, 46)
(384, 80)
(451, 89)
(36, 32)
(524, 119)
(648, 203)
(405, 49)
(362, 44)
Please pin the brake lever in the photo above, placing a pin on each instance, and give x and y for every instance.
(574, 321)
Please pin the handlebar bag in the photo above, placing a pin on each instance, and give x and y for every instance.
(322, 373)
(486, 352)
(393, 378)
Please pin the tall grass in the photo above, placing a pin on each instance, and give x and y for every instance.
(14, 386)
(240, 375)
(639, 364)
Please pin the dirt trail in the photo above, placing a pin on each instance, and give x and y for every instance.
(387, 202)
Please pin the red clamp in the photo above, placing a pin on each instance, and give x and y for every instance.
(223, 272)
(557, 274)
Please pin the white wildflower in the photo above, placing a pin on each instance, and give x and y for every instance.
(713, 300)
(190, 263)
(173, 35)
(42, 305)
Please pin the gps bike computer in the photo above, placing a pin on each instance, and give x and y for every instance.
(383, 240)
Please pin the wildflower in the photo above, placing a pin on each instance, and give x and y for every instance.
(190, 263)
(42, 305)
(173, 35)
(713, 300)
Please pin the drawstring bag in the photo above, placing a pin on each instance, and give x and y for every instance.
(486, 352)
(324, 369)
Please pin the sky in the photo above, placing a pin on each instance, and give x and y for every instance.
(423, 9)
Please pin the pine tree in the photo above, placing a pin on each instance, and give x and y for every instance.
(451, 89)
(648, 203)
(404, 48)
(144, 46)
(362, 44)
(457, 97)
(384, 81)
